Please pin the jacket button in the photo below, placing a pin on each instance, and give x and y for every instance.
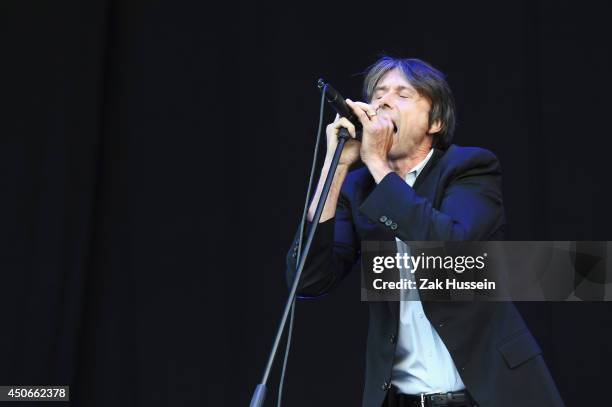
(393, 339)
(386, 386)
(383, 219)
(388, 222)
(294, 255)
(393, 226)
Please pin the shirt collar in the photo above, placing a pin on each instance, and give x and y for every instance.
(416, 170)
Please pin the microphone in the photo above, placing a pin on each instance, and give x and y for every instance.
(335, 99)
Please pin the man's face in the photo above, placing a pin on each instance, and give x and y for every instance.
(397, 99)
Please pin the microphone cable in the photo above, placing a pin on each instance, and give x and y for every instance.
(299, 246)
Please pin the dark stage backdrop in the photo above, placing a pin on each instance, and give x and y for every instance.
(155, 156)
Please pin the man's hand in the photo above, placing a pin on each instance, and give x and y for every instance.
(350, 152)
(377, 138)
(376, 142)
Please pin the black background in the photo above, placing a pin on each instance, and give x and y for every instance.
(154, 161)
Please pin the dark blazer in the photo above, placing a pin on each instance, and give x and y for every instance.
(457, 196)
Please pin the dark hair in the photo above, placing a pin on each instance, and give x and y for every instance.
(429, 82)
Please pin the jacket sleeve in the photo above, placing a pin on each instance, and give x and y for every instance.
(471, 207)
(332, 254)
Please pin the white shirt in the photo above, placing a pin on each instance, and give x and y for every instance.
(422, 363)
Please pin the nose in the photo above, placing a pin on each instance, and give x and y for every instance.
(382, 103)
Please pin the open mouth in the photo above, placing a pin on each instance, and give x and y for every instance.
(394, 127)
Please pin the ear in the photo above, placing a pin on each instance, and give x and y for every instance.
(435, 127)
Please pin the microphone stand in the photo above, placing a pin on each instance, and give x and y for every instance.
(260, 391)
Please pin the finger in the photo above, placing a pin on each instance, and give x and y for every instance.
(361, 115)
(386, 123)
(344, 122)
(332, 128)
(369, 109)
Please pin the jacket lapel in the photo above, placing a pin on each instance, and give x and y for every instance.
(425, 186)
(428, 169)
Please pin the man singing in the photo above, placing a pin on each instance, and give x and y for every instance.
(417, 186)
